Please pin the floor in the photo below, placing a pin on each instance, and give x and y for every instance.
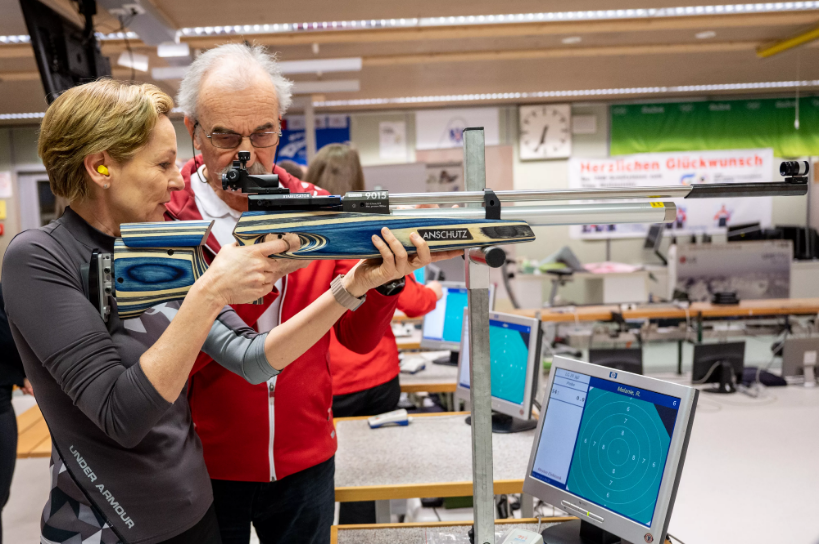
(799, 438)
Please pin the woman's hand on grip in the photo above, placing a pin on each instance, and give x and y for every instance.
(242, 274)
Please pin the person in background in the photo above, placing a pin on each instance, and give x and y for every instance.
(336, 168)
(11, 374)
(365, 384)
(293, 168)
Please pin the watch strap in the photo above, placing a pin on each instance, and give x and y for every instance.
(344, 297)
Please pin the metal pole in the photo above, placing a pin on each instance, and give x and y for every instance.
(477, 284)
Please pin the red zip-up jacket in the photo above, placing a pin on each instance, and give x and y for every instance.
(353, 372)
(265, 432)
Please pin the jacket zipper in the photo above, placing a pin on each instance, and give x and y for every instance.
(271, 396)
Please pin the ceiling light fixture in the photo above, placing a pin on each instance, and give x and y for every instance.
(567, 94)
(331, 86)
(571, 39)
(312, 66)
(466, 20)
(706, 34)
(129, 59)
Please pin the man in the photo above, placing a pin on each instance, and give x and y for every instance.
(269, 448)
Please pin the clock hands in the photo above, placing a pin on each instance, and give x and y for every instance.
(542, 137)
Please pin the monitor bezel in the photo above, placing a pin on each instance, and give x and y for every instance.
(614, 523)
(614, 350)
(440, 345)
(532, 367)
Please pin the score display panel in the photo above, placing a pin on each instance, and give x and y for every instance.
(610, 447)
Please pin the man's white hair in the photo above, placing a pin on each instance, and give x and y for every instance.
(243, 61)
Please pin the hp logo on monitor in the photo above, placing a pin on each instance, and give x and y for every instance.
(613, 375)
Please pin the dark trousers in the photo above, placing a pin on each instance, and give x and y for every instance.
(370, 402)
(206, 531)
(297, 508)
(8, 448)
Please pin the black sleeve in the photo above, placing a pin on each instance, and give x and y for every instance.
(11, 366)
(48, 311)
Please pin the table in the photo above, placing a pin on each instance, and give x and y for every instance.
(431, 457)
(746, 308)
(33, 436)
(433, 379)
(419, 533)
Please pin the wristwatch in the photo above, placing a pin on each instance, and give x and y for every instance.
(343, 296)
(392, 288)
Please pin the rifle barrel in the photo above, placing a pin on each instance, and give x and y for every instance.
(459, 197)
(596, 213)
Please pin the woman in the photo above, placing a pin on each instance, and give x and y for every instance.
(128, 466)
(336, 168)
(364, 385)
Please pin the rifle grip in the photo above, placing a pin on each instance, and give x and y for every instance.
(147, 274)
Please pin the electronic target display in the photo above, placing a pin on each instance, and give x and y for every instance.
(606, 443)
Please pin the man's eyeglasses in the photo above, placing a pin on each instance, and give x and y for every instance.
(231, 140)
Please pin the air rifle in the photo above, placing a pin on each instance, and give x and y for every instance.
(159, 262)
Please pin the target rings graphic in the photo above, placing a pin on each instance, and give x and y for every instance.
(621, 450)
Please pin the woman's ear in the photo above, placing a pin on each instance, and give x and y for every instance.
(98, 167)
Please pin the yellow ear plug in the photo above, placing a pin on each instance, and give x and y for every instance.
(102, 169)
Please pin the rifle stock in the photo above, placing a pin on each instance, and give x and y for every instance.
(159, 262)
(156, 263)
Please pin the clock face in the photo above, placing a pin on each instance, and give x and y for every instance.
(545, 131)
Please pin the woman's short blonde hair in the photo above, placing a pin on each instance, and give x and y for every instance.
(337, 169)
(104, 115)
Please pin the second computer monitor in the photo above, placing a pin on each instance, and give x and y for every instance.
(514, 356)
(625, 359)
(442, 326)
(722, 364)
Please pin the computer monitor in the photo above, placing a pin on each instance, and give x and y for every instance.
(798, 353)
(626, 359)
(654, 237)
(514, 359)
(442, 326)
(744, 232)
(609, 448)
(719, 363)
(67, 55)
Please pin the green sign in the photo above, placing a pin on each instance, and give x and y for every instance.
(711, 125)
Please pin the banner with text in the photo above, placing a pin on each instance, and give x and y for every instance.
(668, 169)
(330, 129)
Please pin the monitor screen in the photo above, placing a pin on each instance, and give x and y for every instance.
(798, 352)
(513, 356)
(707, 357)
(442, 326)
(606, 443)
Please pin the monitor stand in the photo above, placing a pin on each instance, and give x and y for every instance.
(726, 381)
(451, 360)
(578, 532)
(503, 424)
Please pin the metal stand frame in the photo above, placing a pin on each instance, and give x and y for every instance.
(477, 285)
